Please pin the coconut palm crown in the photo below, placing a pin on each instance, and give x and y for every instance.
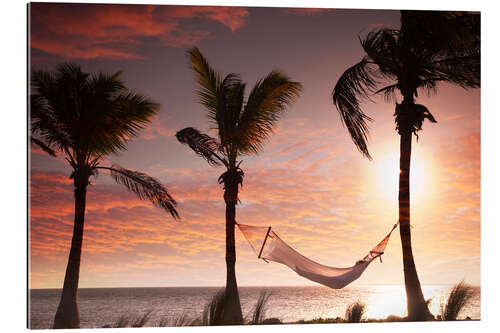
(429, 48)
(86, 117)
(242, 128)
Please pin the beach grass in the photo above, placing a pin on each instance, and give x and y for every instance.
(355, 312)
(131, 321)
(214, 311)
(460, 295)
(258, 317)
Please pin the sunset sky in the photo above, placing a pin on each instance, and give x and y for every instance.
(310, 183)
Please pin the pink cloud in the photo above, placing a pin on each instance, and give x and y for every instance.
(316, 164)
(307, 154)
(185, 38)
(453, 117)
(307, 11)
(158, 129)
(293, 147)
(232, 17)
(89, 31)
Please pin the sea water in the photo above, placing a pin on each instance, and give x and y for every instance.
(104, 306)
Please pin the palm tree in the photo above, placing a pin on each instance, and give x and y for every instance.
(430, 47)
(242, 127)
(86, 117)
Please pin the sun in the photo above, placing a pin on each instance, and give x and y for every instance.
(387, 176)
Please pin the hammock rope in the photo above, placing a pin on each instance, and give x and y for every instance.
(268, 246)
(264, 243)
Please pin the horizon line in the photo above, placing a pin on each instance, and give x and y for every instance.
(249, 286)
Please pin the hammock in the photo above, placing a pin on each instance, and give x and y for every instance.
(268, 246)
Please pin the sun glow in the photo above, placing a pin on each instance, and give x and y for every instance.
(387, 176)
(391, 299)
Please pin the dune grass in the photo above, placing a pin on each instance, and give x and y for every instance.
(460, 295)
(179, 321)
(258, 317)
(214, 311)
(355, 312)
(212, 314)
(130, 321)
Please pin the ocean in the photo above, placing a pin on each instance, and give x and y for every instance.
(104, 306)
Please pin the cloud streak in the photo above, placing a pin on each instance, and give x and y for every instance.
(319, 214)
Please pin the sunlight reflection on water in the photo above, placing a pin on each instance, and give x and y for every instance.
(392, 300)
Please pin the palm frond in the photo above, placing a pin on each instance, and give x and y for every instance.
(44, 119)
(444, 44)
(220, 96)
(356, 83)
(202, 144)
(108, 132)
(241, 127)
(46, 148)
(383, 47)
(209, 82)
(464, 71)
(111, 114)
(444, 32)
(266, 102)
(429, 85)
(89, 115)
(231, 98)
(145, 187)
(389, 92)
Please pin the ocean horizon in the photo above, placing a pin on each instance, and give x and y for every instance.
(104, 306)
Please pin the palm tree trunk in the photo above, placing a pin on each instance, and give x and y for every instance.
(416, 305)
(67, 315)
(232, 308)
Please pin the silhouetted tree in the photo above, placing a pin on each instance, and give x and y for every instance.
(86, 117)
(242, 126)
(430, 47)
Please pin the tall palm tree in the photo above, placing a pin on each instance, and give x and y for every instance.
(430, 47)
(86, 117)
(242, 128)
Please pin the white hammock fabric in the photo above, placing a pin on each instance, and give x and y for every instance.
(268, 246)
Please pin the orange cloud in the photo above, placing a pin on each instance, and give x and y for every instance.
(319, 211)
